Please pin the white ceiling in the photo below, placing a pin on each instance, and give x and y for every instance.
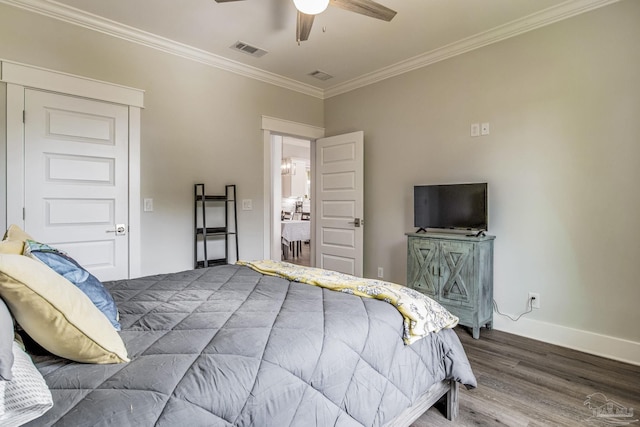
(355, 49)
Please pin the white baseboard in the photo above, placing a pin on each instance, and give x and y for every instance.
(588, 342)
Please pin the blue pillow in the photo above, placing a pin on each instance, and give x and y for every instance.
(68, 268)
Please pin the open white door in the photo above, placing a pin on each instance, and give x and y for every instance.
(339, 194)
(76, 179)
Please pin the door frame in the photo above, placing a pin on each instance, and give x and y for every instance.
(272, 176)
(19, 77)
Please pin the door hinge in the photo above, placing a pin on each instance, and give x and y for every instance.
(24, 114)
(23, 214)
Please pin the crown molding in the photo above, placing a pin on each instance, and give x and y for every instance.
(71, 15)
(528, 23)
(53, 9)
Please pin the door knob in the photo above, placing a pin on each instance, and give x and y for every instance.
(357, 222)
(120, 230)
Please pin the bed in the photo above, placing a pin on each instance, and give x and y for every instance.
(231, 346)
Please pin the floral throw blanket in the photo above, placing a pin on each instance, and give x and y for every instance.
(421, 314)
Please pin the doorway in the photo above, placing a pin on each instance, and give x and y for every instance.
(296, 214)
(337, 174)
(274, 129)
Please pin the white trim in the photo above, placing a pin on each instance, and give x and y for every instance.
(15, 155)
(74, 16)
(528, 23)
(272, 152)
(287, 127)
(275, 193)
(267, 194)
(585, 341)
(97, 23)
(135, 222)
(55, 81)
(93, 89)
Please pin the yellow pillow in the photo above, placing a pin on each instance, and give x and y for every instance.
(56, 314)
(16, 233)
(11, 247)
(13, 240)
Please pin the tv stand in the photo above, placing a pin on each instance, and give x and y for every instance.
(457, 271)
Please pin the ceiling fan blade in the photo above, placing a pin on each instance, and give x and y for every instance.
(366, 7)
(303, 26)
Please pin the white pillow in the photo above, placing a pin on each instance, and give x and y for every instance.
(26, 396)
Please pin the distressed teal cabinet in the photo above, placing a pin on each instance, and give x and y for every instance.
(455, 270)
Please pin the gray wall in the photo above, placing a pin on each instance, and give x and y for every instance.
(200, 124)
(562, 162)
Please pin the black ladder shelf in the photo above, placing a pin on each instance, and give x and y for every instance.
(226, 230)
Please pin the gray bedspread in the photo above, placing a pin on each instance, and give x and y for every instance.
(227, 346)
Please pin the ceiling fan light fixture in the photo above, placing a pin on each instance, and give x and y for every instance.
(311, 7)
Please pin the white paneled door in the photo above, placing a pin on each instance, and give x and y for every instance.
(339, 203)
(76, 179)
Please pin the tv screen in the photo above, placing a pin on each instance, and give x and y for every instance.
(453, 206)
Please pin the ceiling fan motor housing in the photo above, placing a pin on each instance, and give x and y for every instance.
(311, 7)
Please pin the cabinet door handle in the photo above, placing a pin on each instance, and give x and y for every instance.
(437, 273)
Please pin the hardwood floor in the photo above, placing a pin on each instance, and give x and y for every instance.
(303, 258)
(523, 382)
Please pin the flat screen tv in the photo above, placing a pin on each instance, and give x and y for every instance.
(452, 206)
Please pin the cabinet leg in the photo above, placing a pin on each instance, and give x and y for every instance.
(476, 332)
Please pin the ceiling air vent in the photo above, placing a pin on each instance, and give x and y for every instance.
(321, 75)
(243, 47)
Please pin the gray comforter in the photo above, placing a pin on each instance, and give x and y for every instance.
(227, 346)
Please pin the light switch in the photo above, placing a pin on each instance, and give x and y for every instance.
(475, 129)
(484, 128)
(247, 204)
(148, 205)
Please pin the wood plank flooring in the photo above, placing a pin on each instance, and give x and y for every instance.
(303, 258)
(523, 382)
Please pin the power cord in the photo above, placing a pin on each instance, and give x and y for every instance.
(529, 310)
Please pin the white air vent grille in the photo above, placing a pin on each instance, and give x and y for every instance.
(248, 49)
(321, 75)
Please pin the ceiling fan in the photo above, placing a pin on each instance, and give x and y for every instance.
(307, 9)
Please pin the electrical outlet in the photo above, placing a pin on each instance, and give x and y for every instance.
(380, 272)
(484, 128)
(475, 129)
(535, 299)
(148, 205)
